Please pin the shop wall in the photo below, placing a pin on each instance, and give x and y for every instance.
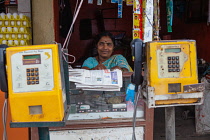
(81, 49)
(184, 29)
(43, 22)
(196, 31)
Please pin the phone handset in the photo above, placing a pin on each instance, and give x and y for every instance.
(3, 77)
(137, 49)
(136, 78)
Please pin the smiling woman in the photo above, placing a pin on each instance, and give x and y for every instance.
(105, 59)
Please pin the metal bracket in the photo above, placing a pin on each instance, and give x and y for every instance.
(151, 98)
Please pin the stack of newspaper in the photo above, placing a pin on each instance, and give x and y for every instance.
(99, 80)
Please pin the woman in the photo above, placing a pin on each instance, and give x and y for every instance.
(105, 59)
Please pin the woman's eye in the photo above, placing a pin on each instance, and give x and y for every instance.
(101, 43)
(109, 44)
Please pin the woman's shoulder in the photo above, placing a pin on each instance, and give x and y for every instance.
(89, 62)
(91, 58)
(118, 56)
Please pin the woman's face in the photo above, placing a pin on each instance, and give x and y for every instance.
(105, 47)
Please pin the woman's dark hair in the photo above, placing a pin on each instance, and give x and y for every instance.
(102, 34)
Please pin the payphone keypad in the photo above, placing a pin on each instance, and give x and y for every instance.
(173, 64)
(32, 75)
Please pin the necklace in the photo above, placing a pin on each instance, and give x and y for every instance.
(99, 60)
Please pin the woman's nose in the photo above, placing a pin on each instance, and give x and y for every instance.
(105, 46)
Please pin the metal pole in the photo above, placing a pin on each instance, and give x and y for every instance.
(170, 123)
(43, 133)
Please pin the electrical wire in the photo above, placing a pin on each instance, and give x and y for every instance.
(66, 42)
(148, 19)
(150, 23)
(4, 117)
(137, 95)
(75, 8)
(66, 54)
(70, 30)
(63, 51)
(156, 20)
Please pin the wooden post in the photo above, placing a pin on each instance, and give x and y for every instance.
(170, 123)
(44, 133)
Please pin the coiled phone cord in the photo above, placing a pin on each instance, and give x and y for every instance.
(4, 117)
(137, 95)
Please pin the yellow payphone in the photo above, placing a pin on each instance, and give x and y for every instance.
(36, 86)
(171, 74)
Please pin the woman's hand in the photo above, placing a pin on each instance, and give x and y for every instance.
(117, 67)
(99, 67)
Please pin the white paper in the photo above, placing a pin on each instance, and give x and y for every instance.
(100, 80)
(148, 24)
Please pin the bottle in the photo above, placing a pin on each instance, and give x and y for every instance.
(130, 95)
